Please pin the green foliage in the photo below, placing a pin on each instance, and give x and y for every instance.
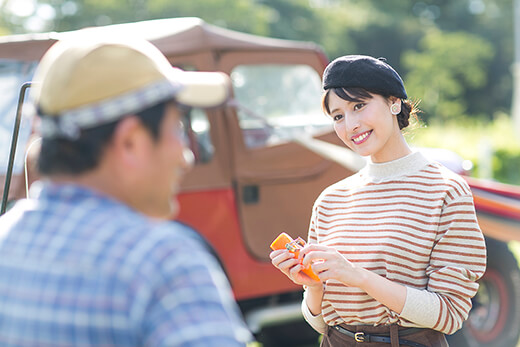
(293, 19)
(446, 66)
(506, 165)
(472, 139)
(241, 15)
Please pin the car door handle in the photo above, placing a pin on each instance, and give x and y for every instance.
(250, 194)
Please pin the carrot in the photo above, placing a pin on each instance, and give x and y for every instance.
(280, 243)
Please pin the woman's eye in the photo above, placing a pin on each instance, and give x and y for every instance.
(337, 117)
(359, 106)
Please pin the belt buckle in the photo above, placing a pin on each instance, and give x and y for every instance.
(359, 336)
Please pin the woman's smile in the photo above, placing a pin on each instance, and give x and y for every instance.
(360, 138)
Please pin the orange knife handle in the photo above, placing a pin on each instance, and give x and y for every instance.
(308, 271)
(280, 242)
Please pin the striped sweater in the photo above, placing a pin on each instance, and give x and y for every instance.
(413, 222)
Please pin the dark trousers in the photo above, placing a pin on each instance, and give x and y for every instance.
(426, 337)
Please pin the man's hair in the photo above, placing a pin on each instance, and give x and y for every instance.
(73, 157)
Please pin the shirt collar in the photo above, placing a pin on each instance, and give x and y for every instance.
(398, 167)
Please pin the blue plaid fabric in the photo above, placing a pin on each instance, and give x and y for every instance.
(80, 269)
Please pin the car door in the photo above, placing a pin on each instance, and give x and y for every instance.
(276, 107)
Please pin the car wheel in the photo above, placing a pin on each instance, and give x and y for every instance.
(495, 317)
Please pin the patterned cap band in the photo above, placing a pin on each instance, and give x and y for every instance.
(69, 123)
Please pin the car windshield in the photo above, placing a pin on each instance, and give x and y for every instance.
(276, 103)
(12, 75)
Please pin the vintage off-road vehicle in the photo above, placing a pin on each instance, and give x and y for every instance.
(259, 164)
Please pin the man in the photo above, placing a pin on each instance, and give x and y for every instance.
(92, 259)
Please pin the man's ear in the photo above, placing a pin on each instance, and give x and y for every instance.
(130, 142)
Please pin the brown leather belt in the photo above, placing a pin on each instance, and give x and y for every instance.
(361, 337)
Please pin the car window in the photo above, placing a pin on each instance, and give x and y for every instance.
(277, 102)
(197, 129)
(197, 135)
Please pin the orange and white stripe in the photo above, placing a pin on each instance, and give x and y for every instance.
(413, 222)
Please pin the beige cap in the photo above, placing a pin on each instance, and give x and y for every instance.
(88, 82)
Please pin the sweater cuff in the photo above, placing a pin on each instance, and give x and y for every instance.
(316, 322)
(421, 307)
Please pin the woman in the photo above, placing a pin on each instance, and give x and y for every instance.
(396, 246)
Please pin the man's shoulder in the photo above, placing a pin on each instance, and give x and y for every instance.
(160, 242)
(173, 234)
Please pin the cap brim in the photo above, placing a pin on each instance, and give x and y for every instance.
(202, 89)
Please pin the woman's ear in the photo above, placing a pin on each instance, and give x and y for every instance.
(395, 105)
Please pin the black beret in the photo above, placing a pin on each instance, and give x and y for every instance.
(361, 71)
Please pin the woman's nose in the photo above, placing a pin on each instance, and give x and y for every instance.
(351, 123)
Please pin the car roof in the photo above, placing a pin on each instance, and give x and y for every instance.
(173, 36)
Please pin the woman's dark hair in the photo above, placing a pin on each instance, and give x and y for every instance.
(408, 108)
(65, 156)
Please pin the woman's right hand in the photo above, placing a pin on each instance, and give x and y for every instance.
(284, 261)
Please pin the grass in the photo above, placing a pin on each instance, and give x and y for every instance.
(490, 145)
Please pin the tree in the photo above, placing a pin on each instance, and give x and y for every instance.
(447, 65)
(65, 15)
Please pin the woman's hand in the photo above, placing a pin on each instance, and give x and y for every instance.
(284, 261)
(328, 264)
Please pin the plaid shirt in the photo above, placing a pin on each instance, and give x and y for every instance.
(80, 269)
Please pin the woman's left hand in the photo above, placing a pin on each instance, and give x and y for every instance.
(328, 263)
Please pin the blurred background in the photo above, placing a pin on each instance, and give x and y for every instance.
(457, 58)
(460, 61)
